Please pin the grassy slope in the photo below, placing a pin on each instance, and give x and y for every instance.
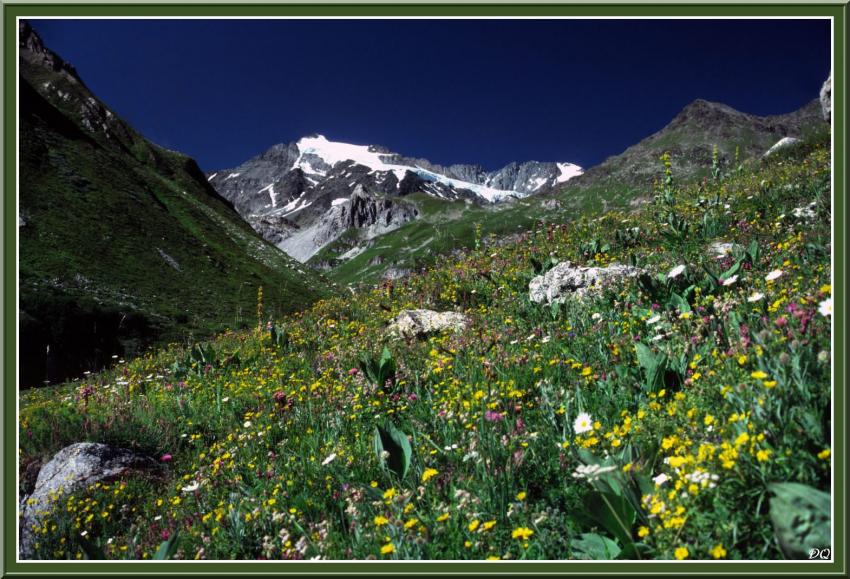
(101, 212)
(277, 435)
(450, 226)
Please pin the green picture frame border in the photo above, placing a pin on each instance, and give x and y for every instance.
(13, 10)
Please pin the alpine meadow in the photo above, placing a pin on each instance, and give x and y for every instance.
(329, 350)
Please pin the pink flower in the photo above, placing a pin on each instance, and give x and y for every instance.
(491, 416)
(353, 372)
(165, 458)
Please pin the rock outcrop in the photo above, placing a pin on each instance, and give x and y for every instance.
(72, 468)
(413, 323)
(781, 144)
(826, 99)
(567, 279)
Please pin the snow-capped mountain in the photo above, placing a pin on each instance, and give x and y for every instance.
(298, 195)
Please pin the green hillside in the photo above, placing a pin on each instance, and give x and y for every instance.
(123, 243)
(660, 418)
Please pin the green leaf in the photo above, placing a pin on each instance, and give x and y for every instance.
(801, 518)
(753, 251)
(654, 365)
(679, 302)
(167, 548)
(91, 551)
(731, 271)
(595, 547)
(393, 441)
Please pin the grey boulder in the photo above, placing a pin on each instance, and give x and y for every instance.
(73, 468)
(413, 323)
(567, 279)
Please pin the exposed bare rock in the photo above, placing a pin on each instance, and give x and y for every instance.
(72, 468)
(781, 144)
(826, 99)
(412, 323)
(565, 279)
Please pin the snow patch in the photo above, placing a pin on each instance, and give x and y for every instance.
(567, 172)
(297, 209)
(211, 177)
(272, 196)
(339, 201)
(332, 152)
(232, 175)
(352, 253)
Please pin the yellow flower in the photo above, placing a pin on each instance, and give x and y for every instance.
(389, 493)
(488, 525)
(681, 553)
(758, 375)
(521, 496)
(769, 383)
(522, 533)
(429, 473)
(443, 517)
(718, 552)
(643, 532)
(708, 420)
(824, 454)
(380, 521)
(763, 455)
(411, 523)
(494, 558)
(742, 359)
(474, 525)
(387, 549)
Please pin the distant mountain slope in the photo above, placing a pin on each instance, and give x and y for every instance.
(444, 225)
(304, 195)
(691, 136)
(124, 243)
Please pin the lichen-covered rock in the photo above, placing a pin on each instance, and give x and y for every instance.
(568, 279)
(412, 323)
(826, 99)
(72, 468)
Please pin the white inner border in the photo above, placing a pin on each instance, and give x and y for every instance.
(17, 264)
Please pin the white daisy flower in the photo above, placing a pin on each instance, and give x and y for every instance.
(730, 280)
(660, 479)
(330, 458)
(775, 274)
(758, 296)
(583, 423)
(825, 307)
(653, 320)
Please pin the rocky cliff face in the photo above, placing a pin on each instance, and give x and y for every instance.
(693, 133)
(304, 195)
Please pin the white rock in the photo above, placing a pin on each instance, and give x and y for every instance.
(781, 144)
(566, 278)
(411, 323)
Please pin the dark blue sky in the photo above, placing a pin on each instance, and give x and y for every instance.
(471, 91)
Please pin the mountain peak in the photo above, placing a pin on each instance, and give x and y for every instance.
(34, 51)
